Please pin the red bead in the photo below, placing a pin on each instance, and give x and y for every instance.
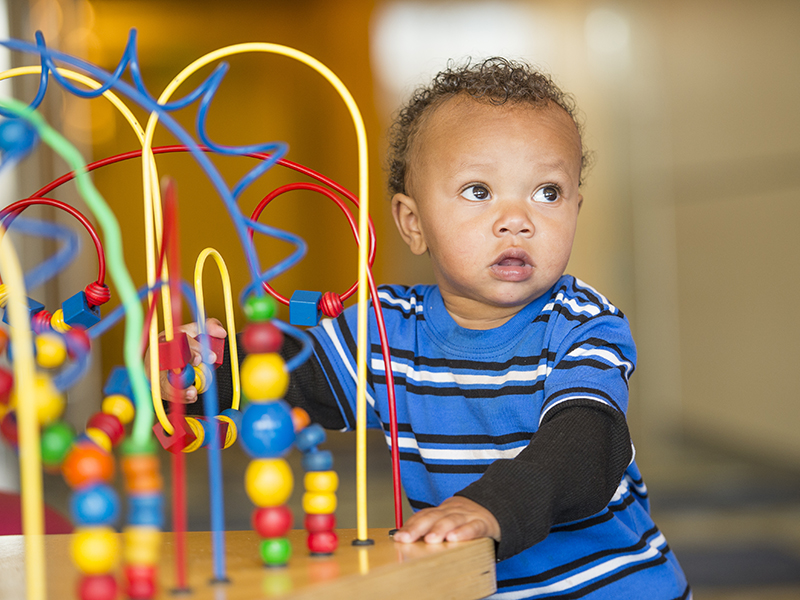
(87, 463)
(8, 428)
(108, 424)
(97, 587)
(77, 342)
(6, 383)
(141, 582)
(262, 337)
(317, 523)
(272, 521)
(322, 542)
(176, 353)
(181, 437)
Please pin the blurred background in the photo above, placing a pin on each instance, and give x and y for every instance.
(689, 223)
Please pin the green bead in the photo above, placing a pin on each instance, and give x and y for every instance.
(275, 552)
(57, 439)
(260, 308)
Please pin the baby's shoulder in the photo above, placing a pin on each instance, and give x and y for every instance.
(578, 301)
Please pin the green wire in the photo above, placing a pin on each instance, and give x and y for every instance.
(140, 439)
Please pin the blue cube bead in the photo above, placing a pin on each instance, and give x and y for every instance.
(77, 311)
(146, 509)
(33, 308)
(304, 308)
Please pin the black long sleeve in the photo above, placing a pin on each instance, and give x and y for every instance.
(569, 471)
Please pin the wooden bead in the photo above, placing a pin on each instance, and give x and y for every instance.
(142, 474)
(231, 431)
(176, 353)
(310, 437)
(260, 308)
(3, 340)
(199, 433)
(317, 460)
(8, 429)
(99, 437)
(300, 419)
(6, 384)
(269, 481)
(146, 510)
(57, 438)
(108, 424)
(95, 550)
(322, 542)
(140, 581)
(321, 481)
(95, 505)
(142, 545)
(78, 342)
(202, 377)
(275, 551)
(183, 378)
(49, 401)
(264, 376)
(321, 522)
(97, 587)
(87, 463)
(58, 323)
(51, 350)
(119, 406)
(262, 337)
(272, 521)
(267, 430)
(316, 503)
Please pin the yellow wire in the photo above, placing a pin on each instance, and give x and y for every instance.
(229, 317)
(30, 459)
(363, 194)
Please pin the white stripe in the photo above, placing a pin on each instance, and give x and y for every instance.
(455, 454)
(591, 309)
(461, 378)
(605, 301)
(607, 355)
(327, 325)
(405, 304)
(583, 577)
(567, 399)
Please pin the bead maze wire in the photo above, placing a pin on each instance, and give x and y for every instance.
(158, 272)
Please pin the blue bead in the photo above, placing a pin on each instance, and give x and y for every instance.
(304, 308)
(309, 437)
(183, 379)
(95, 505)
(33, 308)
(77, 311)
(17, 136)
(234, 415)
(318, 460)
(267, 430)
(118, 383)
(146, 509)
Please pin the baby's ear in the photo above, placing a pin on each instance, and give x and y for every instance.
(406, 217)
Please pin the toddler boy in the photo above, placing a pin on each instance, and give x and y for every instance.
(511, 377)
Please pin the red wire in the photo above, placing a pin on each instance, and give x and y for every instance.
(12, 211)
(313, 187)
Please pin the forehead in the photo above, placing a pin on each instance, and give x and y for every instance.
(464, 123)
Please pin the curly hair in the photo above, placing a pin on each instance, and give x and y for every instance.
(494, 81)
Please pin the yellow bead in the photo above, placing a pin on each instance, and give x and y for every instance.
(95, 550)
(99, 437)
(264, 376)
(198, 431)
(319, 503)
(51, 350)
(268, 481)
(119, 406)
(57, 322)
(230, 434)
(202, 377)
(142, 545)
(49, 401)
(321, 481)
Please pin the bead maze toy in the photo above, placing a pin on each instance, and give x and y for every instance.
(48, 353)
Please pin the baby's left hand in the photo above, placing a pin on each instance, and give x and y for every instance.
(455, 520)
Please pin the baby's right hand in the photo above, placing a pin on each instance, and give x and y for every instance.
(189, 395)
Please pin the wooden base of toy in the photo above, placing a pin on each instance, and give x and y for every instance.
(384, 570)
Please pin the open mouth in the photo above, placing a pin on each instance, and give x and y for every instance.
(513, 265)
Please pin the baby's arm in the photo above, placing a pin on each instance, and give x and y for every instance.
(570, 470)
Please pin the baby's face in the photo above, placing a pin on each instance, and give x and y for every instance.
(493, 197)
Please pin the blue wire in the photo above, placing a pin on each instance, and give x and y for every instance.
(305, 350)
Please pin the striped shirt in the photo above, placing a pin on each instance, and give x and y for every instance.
(466, 398)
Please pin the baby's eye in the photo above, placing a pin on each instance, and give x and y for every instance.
(476, 193)
(548, 194)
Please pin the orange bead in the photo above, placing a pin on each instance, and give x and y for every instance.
(142, 473)
(87, 463)
(300, 419)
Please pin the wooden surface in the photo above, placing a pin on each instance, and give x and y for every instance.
(385, 570)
